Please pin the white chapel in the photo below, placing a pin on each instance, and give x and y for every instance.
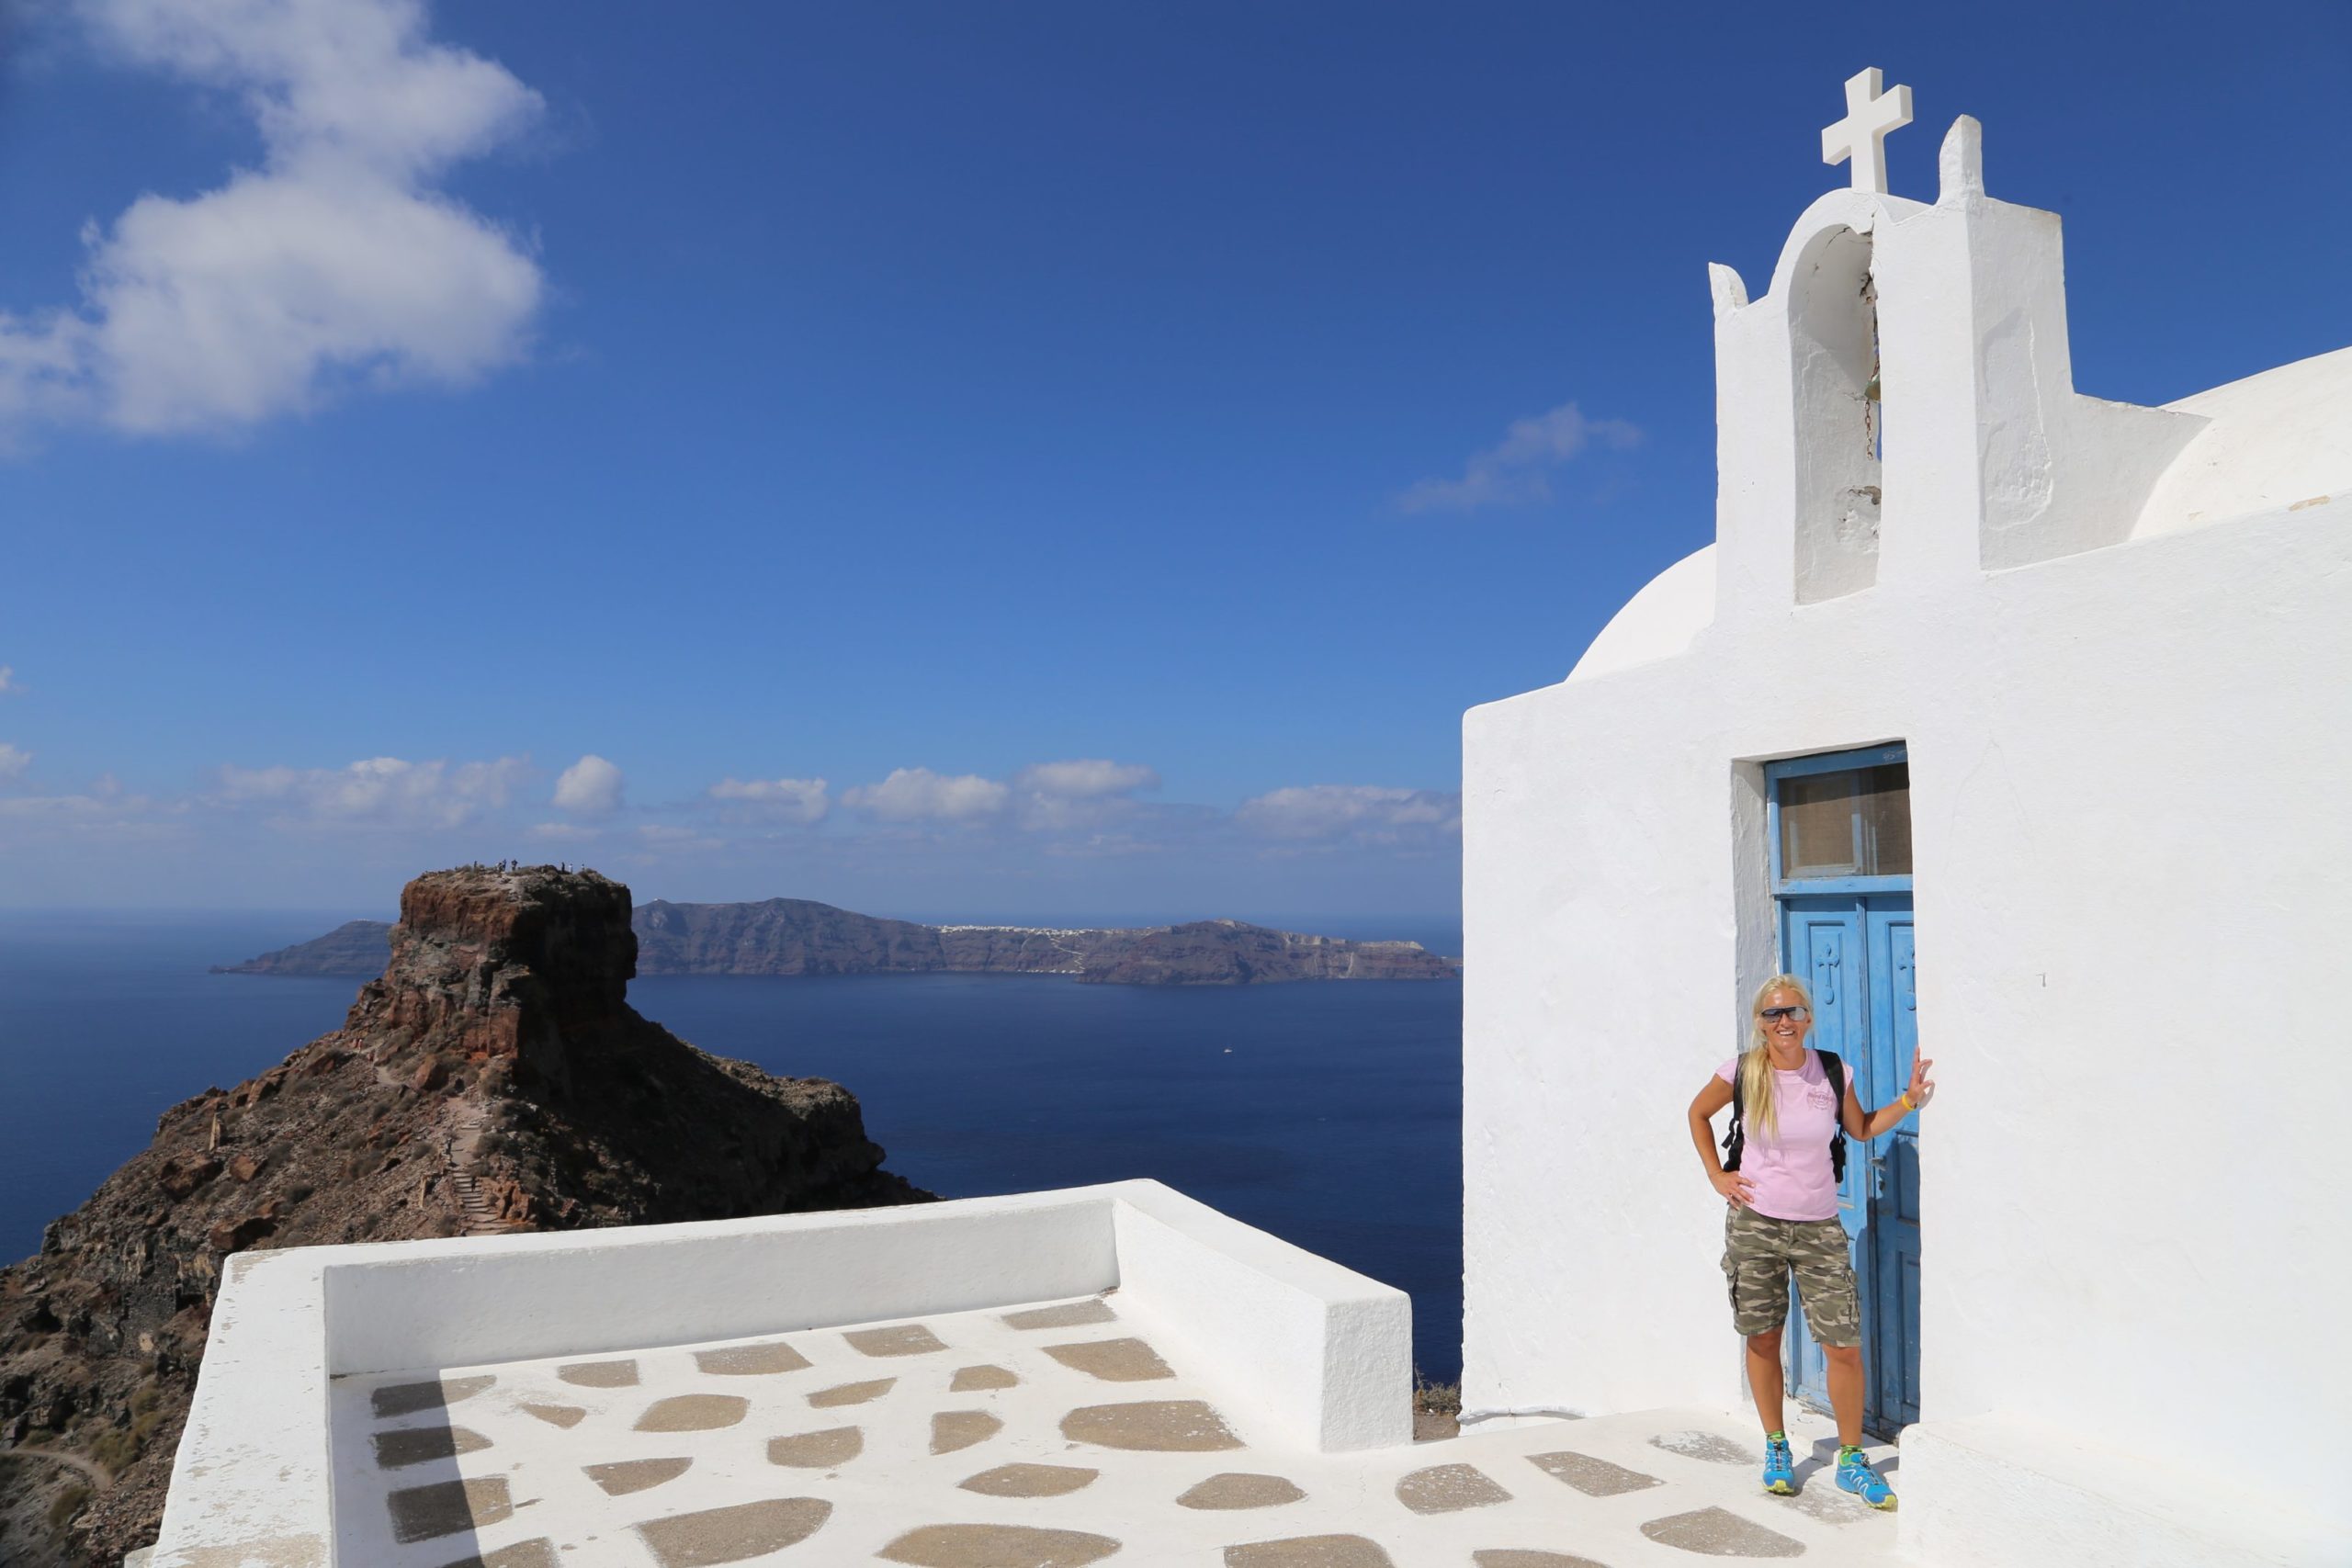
(2020, 722)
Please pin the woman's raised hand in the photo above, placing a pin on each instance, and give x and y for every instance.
(1923, 1087)
(1733, 1185)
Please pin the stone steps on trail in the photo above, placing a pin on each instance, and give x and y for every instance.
(467, 1127)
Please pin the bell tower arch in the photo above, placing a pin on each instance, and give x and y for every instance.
(1838, 458)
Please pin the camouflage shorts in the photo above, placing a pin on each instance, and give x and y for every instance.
(1760, 1253)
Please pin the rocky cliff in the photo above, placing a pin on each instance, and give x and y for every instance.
(354, 947)
(797, 936)
(1233, 952)
(492, 1078)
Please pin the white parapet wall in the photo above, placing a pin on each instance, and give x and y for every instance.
(1311, 1347)
(1316, 1355)
(460, 1304)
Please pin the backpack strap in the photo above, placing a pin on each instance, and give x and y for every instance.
(1834, 1070)
(1735, 1139)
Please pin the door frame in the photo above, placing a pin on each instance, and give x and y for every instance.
(1822, 762)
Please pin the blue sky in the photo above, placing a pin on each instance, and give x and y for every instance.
(1006, 461)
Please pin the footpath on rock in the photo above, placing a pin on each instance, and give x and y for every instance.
(492, 1078)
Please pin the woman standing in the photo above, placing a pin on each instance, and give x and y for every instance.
(1783, 1189)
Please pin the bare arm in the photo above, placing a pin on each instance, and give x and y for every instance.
(1730, 1183)
(1869, 1124)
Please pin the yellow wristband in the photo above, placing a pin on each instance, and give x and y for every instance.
(1906, 1097)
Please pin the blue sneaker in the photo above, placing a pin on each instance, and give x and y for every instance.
(1855, 1476)
(1780, 1467)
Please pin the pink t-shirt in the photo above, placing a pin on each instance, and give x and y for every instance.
(1790, 1169)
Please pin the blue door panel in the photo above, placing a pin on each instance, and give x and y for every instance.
(1891, 1322)
(1901, 1162)
(1855, 950)
(1903, 1407)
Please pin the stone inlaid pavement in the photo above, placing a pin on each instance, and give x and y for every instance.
(1043, 1437)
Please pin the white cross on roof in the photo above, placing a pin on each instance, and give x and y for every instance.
(1861, 135)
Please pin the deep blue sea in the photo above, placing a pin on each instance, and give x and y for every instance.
(1328, 1114)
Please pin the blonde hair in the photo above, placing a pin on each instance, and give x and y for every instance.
(1756, 1061)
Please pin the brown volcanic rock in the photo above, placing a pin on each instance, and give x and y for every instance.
(495, 1058)
(781, 936)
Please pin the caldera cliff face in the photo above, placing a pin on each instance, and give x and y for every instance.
(796, 936)
(493, 1078)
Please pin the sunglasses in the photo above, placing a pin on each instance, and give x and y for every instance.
(1799, 1014)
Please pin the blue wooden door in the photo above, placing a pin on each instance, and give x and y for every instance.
(1840, 830)
(1892, 1256)
(1854, 950)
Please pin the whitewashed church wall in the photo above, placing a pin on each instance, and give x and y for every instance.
(2134, 876)
(2142, 900)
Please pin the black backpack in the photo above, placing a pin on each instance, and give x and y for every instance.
(1735, 1141)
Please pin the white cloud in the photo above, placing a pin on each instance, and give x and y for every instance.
(591, 786)
(1088, 794)
(336, 263)
(788, 800)
(917, 794)
(564, 832)
(1359, 811)
(8, 679)
(13, 761)
(1085, 779)
(1516, 470)
(380, 791)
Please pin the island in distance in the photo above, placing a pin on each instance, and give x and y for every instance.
(799, 936)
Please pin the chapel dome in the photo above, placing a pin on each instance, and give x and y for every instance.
(1659, 622)
(2274, 440)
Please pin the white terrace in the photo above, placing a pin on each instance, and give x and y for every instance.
(1036, 1381)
